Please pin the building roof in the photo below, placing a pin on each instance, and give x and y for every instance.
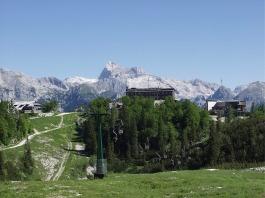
(227, 101)
(150, 89)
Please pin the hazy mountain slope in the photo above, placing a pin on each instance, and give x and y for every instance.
(255, 92)
(18, 86)
(239, 88)
(222, 93)
(112, 83)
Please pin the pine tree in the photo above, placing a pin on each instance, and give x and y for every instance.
(21, 127)
(90, 137)
(172, 139)
(230, 115)
(134, 137)
(125, 144)
(109, 147)
(3, 131)
(28, 163)
(2, 166)
(161, 135)
(214, 144)
(185, 144)
(252, 109)
(110, 144)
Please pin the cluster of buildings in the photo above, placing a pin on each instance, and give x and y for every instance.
(219, 108)
(28, 107)
(222, 107)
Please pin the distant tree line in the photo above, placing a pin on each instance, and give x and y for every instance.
(50, 106)
(172, 135)
(14, 126)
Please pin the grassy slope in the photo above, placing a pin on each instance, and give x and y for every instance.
(74, 168)
(70, 119)
(51, 122)
(49, 148)
(45, 123)
(200, 183)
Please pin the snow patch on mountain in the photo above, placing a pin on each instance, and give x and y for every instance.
(147, 81)
(193, 88)
(112, 83)
(77, 80)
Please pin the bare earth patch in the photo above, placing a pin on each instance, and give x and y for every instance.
(79, 147)
(49, 163)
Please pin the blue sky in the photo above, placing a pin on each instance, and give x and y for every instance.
(206, 39)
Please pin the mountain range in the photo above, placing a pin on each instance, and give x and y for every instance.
(112, 83)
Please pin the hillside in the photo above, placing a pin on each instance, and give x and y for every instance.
(50, 144)
(60, 172)
(201, 183)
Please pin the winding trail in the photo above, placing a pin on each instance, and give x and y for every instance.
(62, 166)
(30, 137)
(66, 156)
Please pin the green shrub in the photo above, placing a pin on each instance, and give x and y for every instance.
(50, 106)
(14, 171)
(152, 168)
(117, 165)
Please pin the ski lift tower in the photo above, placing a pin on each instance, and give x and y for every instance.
(101, 167)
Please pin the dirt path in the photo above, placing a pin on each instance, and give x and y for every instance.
(62, 166)
(30, 137)
(45, 115)
(66, 113)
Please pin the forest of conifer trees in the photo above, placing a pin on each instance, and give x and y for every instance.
(173, 135)
(14, 126)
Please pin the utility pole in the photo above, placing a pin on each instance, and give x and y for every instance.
(101, 162)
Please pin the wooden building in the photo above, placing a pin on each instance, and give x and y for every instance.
(155, 93)
(28, 107)
(221, 108)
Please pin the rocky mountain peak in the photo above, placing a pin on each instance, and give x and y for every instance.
(255, 91)
(113, 70)
(112, 66)
(222, 93)
(52, 82)
(112, 83)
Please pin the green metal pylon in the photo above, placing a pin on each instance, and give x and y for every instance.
(101, 162)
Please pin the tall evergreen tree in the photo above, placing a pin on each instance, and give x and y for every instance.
(172, 139)
(229, 114)
(90, 137)
(161, 135)
(2, 166)
(134, 137)
(3, 131)
(28, 163)
(110, 144)
(214, 144)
